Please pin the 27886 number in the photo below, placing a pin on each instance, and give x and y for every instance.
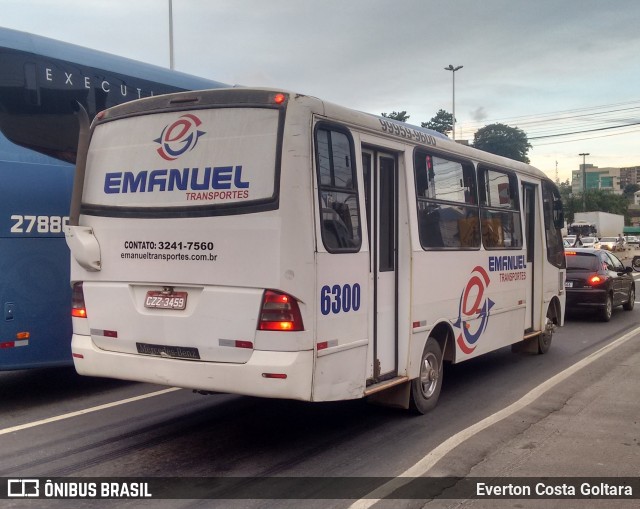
(38, 224)
(340, 299)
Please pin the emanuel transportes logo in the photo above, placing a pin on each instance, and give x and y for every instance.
(474, 306)
(179, 137)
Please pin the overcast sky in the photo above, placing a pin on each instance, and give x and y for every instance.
(525, 63)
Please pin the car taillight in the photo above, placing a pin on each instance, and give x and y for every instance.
(279, 312)
(596, 280)
(78, 308)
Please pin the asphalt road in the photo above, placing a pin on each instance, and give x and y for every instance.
(55, 423)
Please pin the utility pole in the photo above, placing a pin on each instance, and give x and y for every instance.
(584, 180)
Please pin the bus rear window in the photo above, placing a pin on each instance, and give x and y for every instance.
(210, 158)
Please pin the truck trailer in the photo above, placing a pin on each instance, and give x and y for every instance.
(599, 224)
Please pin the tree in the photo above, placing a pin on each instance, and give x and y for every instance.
(605, 201)
(630, 190)
(401, 116)
(595, 199)
(565, 189)
(504, 141)
(442, 122)
(568, 203)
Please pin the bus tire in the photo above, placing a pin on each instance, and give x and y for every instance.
(544, 339)
(425, 389)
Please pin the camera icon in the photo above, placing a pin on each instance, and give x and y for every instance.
(23, 488)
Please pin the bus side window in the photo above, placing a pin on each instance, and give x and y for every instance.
(447, 205)
(339, 208)
(500, 209)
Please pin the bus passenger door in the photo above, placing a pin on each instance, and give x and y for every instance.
(381, 188)
(531, 223)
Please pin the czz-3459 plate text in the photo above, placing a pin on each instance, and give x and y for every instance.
(163, 300)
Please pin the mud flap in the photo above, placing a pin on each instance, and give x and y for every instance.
(397, 396)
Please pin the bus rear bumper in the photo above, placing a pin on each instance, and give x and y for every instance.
(268, 374)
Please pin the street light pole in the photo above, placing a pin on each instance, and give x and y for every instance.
(453, 73)
(584, 180)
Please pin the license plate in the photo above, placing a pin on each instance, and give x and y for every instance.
(178, 352)
(164, 300)
(568, 284)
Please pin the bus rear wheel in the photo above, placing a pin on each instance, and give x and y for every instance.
(425, 389)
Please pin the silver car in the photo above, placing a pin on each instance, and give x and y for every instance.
(591, 242)
(608, 243)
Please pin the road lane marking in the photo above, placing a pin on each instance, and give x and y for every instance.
(429, 461)
(86, 411)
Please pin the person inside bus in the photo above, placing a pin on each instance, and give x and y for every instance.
(578, 241)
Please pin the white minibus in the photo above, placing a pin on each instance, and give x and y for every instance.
(272, 244)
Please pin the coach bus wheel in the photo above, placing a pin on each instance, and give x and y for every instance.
(636, 263)
(426, 388)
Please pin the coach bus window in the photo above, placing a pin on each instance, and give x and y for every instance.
(339, 210)
(553, 222)
(500, 209)
(447, 203)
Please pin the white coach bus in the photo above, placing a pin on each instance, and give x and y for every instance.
(276, 245)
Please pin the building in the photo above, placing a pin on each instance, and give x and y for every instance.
(610, 179)
(629, 176)
(605, 179)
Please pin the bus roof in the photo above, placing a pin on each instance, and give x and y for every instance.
(373, 123)
(443, 142)
(52, 48)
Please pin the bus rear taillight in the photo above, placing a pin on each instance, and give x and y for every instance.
(78, 309)
(279, 312)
